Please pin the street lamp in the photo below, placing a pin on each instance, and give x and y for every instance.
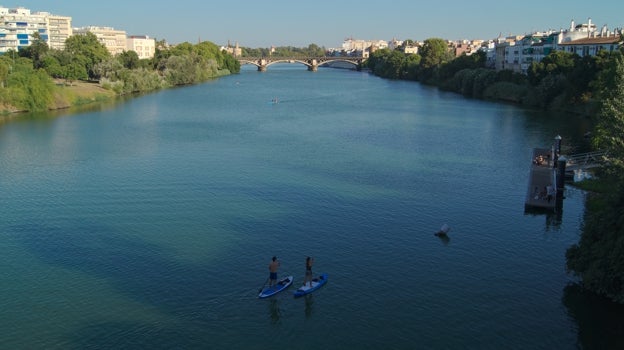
(557, 150)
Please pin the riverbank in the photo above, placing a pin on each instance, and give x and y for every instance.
(65, 96)
(79, 93)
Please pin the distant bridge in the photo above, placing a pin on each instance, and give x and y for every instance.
(311, 62)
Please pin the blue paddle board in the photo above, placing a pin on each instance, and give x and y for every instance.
(278, 287)
(317, 283)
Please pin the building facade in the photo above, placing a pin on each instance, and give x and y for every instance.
(114, 40)
(144, 46)
(59, 29)
(18, 25)
(583, 40)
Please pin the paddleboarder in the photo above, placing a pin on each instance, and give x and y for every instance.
(308, 271)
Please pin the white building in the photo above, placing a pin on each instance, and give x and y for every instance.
(583, 40)
(17, 26)
(144, 46)
(114, 40)
(59, 29)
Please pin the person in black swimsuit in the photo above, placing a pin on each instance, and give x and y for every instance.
(308, 271)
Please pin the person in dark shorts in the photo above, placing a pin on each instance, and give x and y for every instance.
(308, 271)
(273, 266)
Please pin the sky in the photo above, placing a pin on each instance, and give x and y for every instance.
(257, 24)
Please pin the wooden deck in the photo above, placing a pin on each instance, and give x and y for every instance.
(541, 176)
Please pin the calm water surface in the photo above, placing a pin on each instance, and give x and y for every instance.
(150, 224)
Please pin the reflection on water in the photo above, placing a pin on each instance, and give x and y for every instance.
(274, 311)
(600, 322)
(309, 302)
(444, 239)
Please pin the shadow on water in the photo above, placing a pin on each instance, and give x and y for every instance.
(552, 221)
(600, 321)
(138, 270)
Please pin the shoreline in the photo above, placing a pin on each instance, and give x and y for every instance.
(65, 96)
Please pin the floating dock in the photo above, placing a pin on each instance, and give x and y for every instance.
(542, 189)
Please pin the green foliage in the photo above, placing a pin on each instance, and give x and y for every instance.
(128, 59)
(5, 68)
(610, 129)
(434, 52)
(560, 81)
(88, 50)
(394, 64)
(52, 65)
(506, 91)
(28, 89)
(598, 258)
(312, 50)
(386, 63)
(109, 69)
(36, 51)
(137, 80)
(474, 61)
(76, 69)
(471, 82)
(556, 63)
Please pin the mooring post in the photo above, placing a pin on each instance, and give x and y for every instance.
(557, 150)
(561, 168)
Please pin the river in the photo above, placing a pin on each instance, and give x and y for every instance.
(151, 223)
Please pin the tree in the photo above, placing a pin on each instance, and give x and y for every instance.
(5, 68)
(598, 258)
(52, 65)
(434, 53)
(610, 128)
(129, 59)
(88, 49)
(36, 51)
(556, 63)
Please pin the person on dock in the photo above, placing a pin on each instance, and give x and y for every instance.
(550, 192)
(273, 266)
(308, 271)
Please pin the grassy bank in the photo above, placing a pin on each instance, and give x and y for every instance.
(79, 93)
(66, 96)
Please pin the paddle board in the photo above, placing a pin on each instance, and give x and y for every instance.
(317, 283)
(278, 287)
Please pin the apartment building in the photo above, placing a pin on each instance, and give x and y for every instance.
(59, 29)
(17, 26)
(582, 39)
(114, 40)
(144, 46)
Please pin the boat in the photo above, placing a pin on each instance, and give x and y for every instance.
(317, 283)
(281, 285)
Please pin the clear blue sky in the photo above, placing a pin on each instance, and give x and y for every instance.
(327, 23)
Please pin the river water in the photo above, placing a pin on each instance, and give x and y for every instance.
(151, 223)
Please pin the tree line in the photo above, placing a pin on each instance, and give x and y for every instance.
(559, 81)
(590, 85)
(312, 50)
(27, 76)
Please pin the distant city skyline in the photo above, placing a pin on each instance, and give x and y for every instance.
(322, 22)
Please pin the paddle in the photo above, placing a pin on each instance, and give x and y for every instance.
(264, 284)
